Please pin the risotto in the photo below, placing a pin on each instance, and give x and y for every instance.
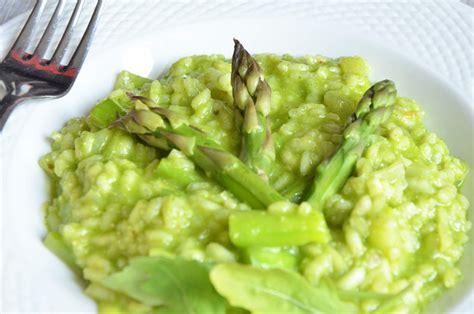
(397, 228)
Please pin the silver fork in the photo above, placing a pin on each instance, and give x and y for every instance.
(24, 76)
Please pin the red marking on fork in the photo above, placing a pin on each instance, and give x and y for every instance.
(40, 64)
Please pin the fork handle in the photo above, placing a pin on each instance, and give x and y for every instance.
(7, 104)
(13, 90)
(8, 99)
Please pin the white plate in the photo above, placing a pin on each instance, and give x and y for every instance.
(36, 281)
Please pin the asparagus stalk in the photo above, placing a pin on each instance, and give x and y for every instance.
(373, 109)
(260, 228)
(252, 96)
(153, 125)
(180, 175)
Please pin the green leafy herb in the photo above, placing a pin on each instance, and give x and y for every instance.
(55, 244)
(176, 285)
(274, 291)
(272, 257)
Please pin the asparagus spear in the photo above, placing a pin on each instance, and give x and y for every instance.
(252, 96)
(373, 109)
(153, 125)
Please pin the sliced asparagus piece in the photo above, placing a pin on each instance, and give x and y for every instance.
(260, 228)
(153, 125)
(373, 109)
(252, 96)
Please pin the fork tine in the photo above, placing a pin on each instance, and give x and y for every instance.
(67, 36)
(27, 33)
(45, 40)
(83, 47)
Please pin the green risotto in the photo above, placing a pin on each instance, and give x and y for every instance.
(397, 227)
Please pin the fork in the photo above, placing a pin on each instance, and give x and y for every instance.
(26, 75)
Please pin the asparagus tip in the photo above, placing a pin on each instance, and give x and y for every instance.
(220, 158)
(250, 118)
(148, 119)
(183, 143)
(263, 102)
(118, 122)
(381, 94)
(155, 141)
(168, 114)
(147, 101)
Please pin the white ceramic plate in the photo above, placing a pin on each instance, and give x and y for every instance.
(36, 281)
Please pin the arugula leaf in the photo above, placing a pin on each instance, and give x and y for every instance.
(274, 291)
(177, 285)
(55, 243)
(272, 257)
